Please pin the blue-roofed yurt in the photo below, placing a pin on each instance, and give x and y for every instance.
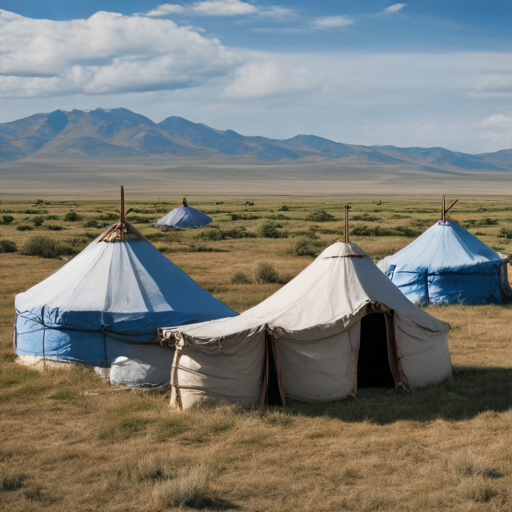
(448, 265)
(103, 308)
(184, 217)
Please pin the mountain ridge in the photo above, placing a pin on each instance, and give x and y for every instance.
(119, 132)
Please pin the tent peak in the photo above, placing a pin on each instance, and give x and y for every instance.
(121, 230)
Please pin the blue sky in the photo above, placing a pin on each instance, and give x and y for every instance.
(418, 73)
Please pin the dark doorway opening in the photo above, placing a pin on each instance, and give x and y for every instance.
(273, 396)
(373, 364)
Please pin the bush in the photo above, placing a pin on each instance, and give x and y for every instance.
(487, 221)
(42, 246)
(93, 223)
(320, 216)
(54, 227)
(269, 230)
(8, 246)
(506, 232)
(365, 230)
(45, 247)
(242, 216)
(39, 201)
(212, 235)
(38, 221)
(37, 212)
(7, 219)
(24, 227)
(266, 272)
(241, 277)
(366, 217)
(72, 216)
(109, 216)
(284, 208)
(303, 248)
(52, 217)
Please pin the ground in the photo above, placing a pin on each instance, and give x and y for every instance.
(71, 442)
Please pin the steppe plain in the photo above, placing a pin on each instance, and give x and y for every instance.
(71, 442)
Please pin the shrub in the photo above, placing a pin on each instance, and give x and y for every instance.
(366, 217)
(242, 216)
(7, 219)
(140, 220)
(320, 216)
(241, 277)
(284, 208)
(72, 216)
(8, 246)
(506, 232)
(365, 230)
(24, 227)
(266, 272)
(54, 227)
(239, 232)
(93, 223)
(38, 221)
(212, 235)
(39, 201)
(52, 217)
(303, 248)
(37, 212)
(45, 247)
(487, 221)
(269, 230)
(109, 216)
(42, 246)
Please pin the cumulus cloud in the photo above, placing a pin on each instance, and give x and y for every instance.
(269, 79)
(104, 54)
(498, 129)
(394, 8)
(327, 22)
(224, 8)
(165, 10)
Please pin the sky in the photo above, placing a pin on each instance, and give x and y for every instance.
(415, 73)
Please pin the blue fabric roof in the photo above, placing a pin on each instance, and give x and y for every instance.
(446, 264)
(123, 290)
(184, 217)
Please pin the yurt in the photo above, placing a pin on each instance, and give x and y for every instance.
(448, 265)
(339, 326)
(184, 217)
(103, 307)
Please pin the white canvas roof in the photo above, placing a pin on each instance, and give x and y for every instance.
(320, 308)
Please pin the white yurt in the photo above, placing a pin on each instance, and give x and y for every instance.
(339, 326)
(184, 217)
(103, 308)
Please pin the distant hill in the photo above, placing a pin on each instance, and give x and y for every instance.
(120, 133)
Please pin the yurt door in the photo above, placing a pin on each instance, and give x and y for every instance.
(373, 368)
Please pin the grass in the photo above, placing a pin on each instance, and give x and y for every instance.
(71, 442)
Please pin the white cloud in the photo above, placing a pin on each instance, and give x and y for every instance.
(269, 79)
(105, 53)
(394, 8)
(224, 8)
(165, 10)
(494, 84)
(327, 22)
(498, 129)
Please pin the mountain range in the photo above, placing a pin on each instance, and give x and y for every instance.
(121, 133)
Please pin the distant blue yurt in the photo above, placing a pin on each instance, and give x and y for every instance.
(448, 265)
(184, 217)
(103, 308)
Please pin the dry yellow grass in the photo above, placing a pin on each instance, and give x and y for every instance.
(69, 442)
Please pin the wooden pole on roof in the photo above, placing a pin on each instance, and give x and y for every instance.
(446, 210)
(347, 234)
(121, 213)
